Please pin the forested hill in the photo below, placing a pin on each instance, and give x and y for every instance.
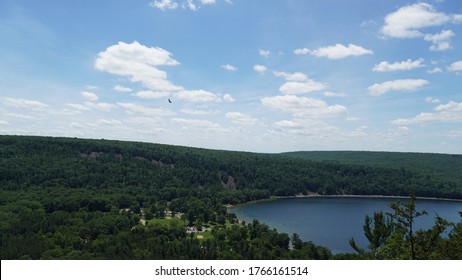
(167, 172)
(446, 166)
(67, 198)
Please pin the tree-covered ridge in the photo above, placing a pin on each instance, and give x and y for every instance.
(166, 170)
(446, 166)
(67, 198)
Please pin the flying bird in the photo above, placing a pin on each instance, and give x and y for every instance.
(169, 101)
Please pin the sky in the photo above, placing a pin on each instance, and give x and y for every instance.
(247, 75)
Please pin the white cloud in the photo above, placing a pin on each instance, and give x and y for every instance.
(103, 106)
(260, 68)
(164, 5)
(89, 96)
(409, 64)
(407, 20)
(450, 112)
(240, 118)
(204, 125)
(190, 4)
(195, 112)
(229, 67)
(264, 53)
(440, 41)
(430, 99)
(208, 2)
(303, 106)
(298, 83)
(302, 51)
(340, 51)
(135, 108)
(91, 87)
(301, 87)
(396, 85)
(297, 76)
(120, 88)
(334, 94)
(435, 70)
(139, 63)
(77, 107)
(228, 98)
(197, 96)
(111, 122)
(456, 66)
(25, 103)
(147, 94)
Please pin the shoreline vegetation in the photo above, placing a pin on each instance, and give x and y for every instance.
(60, 198)
(314, 195)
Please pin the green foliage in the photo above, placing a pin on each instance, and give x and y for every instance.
(396, 238)
(67, 198)
(444, 167)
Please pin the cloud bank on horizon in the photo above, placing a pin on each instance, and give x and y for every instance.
(255, 76)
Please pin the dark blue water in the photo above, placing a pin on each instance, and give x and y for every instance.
(332, 221)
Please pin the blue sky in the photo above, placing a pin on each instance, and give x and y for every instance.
(254, 75)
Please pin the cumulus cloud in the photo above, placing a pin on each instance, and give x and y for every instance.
(229, 67)
(190, 4)
(298, 83)
(260, 68)
(164, 5)
(103, 106)
(139, 63)
(378, 89)
(147, 94)
(120, 88)
(89, 96)
(340, 51)
(408, 21)
(456, 66)
(264, 53)
(303, 106)
(446, 113)
(430, 99)
(440, 41)
(241, 118)
(228, 98)
(409, 64)
(334, 94)
(302, 51)
(297, 76)
(301, 87)
(435, 70)
(197, 96)
(185, 4)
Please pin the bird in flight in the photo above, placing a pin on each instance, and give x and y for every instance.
(169, 101)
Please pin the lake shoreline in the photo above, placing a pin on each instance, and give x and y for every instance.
(314, 195)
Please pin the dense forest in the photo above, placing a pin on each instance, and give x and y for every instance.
(68, 198)
(446, 166)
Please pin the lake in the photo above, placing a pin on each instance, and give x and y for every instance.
(332, 221)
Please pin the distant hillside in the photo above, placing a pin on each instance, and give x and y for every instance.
(233, 177)
(445, 166)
